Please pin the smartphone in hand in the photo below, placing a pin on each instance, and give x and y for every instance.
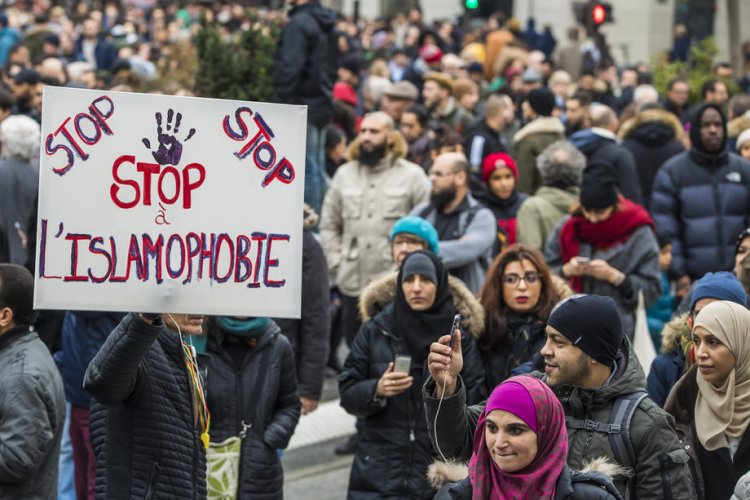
(402, 363)
(456, 323)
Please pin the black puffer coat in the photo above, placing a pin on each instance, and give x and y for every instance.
(309, 335)
(394, 448)
(702, 201)
(142, 426)
(305, 68)
(600, 145)
(230, 397)
(652, 136)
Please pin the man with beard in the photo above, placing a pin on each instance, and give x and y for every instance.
(700, 199)
(592, 369)
(26, 87)
(576, 113)
(443, 108)
(467, 230)
(366, 197)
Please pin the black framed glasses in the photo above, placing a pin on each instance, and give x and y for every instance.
(513, 279)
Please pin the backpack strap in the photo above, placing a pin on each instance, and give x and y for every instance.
(617, 430)
(426, 211)
(622, 446)
(622, 414)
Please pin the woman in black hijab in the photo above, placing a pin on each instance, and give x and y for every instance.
(394, 448)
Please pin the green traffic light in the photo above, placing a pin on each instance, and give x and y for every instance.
(472, 4)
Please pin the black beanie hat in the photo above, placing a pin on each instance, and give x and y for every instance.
(599, 186)
(542, 101)
(419, 264)
(592, 323)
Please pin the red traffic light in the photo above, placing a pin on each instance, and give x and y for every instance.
(598, 14)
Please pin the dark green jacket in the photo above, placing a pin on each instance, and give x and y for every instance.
(661, 465)
(528, 142)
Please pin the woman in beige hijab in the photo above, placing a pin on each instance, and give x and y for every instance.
(711, 403)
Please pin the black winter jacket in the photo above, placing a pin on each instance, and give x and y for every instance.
(524, 340)
(309, 335)
(703, 202)
(597, 147)
(231, 401)
(83, 334)
(394, 448)
(651, 136)
(32, 416)
(142, 426)
(305, 68)
(481, 141)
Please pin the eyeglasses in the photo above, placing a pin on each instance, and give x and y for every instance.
(441, 174)
(513, 279)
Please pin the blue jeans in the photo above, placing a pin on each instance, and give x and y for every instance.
(66, 488)
(315, 167)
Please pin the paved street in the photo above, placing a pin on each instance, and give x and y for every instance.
(311, 469)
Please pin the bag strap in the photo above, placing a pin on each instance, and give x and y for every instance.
(265, 356)
(617, 430)
(622, 446)
(426, 211)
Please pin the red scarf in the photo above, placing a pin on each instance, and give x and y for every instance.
(602, 235)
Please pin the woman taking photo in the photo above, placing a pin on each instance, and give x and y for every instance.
(607, 246)
(520, 449)
(500, 174)
(517, 297)
(711, 402)
(394, 448)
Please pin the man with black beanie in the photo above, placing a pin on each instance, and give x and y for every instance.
(541, 130)
(700, 199)
(596, 376)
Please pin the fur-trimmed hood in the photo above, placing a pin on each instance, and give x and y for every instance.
(670, 335)
(382, 292)
(540, 125)
(737, 125)
(309, 218)
(652, 116)
(440, 473)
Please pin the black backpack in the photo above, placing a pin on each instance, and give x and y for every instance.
(618, 431)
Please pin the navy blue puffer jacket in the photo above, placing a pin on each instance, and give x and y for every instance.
(702, 200)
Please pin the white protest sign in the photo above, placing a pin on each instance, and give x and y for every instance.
(157, 203)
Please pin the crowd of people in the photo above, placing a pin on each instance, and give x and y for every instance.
(472, 173)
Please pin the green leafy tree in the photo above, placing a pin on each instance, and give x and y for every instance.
(696, 71)
(237, 66)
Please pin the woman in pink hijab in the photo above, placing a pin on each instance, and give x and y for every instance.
(520, 448)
